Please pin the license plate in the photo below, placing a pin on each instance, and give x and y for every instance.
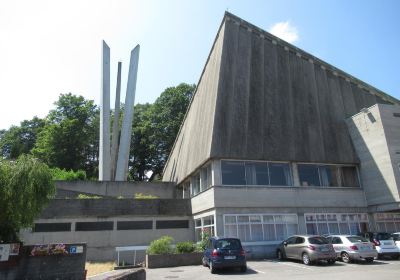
(230, 257)
(387, 243)
(324, 249)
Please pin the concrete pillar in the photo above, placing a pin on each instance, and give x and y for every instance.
(216, 172)
(295, 172)
(104, 153)
(115, 132)
(126, 130)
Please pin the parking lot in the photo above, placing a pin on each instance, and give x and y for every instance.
(274, 269)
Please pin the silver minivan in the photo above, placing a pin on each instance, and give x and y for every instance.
(352, 248)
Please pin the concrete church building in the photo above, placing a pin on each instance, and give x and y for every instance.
(278, 142)
(275, 142)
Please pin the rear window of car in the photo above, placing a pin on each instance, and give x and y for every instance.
(317, 240)
(396, 237)
(228, 244)
(355, 239)
(384, 236)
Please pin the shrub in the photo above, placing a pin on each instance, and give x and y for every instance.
(64, 175)
(202, 245)
(185, 247)
(86, 196)
(145, 196)
(161, 246)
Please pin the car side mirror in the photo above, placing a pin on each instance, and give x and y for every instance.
(285, 243)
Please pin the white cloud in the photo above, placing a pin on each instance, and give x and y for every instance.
(285, 31)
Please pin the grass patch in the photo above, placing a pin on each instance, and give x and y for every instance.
(94, 268)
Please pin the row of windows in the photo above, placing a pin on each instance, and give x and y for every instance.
(260, 227)
(109, 225)
(204, 225)
(279, 174)
(202, 180)
(333, 223)
(387, 222)
(255, 173)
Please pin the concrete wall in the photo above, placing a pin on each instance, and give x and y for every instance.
(203, 201)
(101, 244)
(62, 267)
(375, 134)
(116, 189)
(288, 197)
(274, 102)
(59, 208)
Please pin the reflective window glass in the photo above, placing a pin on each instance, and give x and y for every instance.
(233, 173)
(308, 175)
(279, 174)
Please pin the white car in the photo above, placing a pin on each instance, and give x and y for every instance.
(353, 248)
(384, 244)
(396, 238)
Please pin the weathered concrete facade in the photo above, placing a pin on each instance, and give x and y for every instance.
(262, 104)
(376, 136)
(262, 98)
(102, 223)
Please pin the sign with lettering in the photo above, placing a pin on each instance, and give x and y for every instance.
(4, 252)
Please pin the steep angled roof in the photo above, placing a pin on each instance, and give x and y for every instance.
(262, 98)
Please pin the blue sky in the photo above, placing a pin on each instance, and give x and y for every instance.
(53, 47)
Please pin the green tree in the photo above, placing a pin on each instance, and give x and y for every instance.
(69, 139)
(26, 186)
(167, 115)
(141, 152)
(21, 139)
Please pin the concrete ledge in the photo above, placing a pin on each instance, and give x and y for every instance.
(131, 274)
(171, 260)
(104, 207)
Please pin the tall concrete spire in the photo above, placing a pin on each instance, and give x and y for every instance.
(126, 131)
(104, 154)
(115, 131)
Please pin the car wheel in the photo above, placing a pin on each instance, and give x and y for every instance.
(369, 260)
(279, 255)
(306, 259)
(203, 261)
(243, 268)
(345, 257)
(331, 261)
(212, 268)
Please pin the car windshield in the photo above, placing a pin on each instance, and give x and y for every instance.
(228, 244)
(384, 236)
(318, 240)
(355, 239)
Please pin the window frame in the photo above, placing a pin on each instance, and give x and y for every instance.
(289, 167)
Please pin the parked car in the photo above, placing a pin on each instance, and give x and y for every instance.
(396, 238)
(352, 248)
(224, 252)
(307, 248)
(384, 244)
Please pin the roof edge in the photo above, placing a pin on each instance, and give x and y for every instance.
(195, 91)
